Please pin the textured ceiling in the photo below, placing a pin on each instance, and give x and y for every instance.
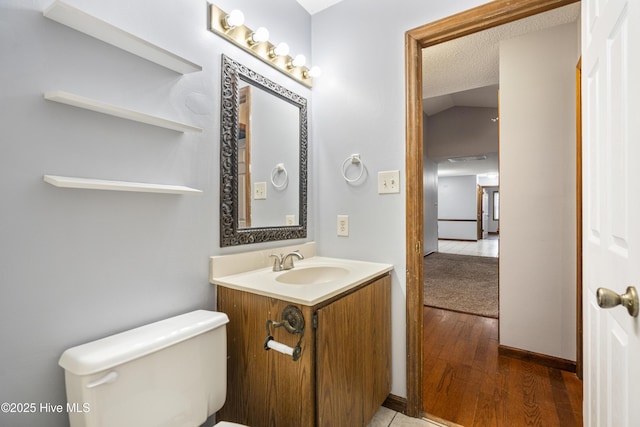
(484, 96)
(465, 72)
(452, 68)
(469, 62)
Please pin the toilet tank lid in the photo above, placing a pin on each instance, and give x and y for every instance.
(120, 348)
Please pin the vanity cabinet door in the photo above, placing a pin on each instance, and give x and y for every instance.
(265, 388)
(353, 355)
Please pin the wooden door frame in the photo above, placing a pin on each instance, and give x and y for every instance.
(481, 189)
(245, 113)
(483, 17)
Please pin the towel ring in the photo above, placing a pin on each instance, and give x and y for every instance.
(354, 159)
(279, 168)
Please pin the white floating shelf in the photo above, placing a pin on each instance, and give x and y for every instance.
(70, 16)
(113, 110)
(101, 184)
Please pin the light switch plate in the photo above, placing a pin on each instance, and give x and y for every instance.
(388, 182)
(260, 191)
(290, 220)
(343, 225)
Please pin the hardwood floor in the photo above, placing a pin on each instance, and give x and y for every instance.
(468, 383)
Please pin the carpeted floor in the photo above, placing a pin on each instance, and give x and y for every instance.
(464, 283)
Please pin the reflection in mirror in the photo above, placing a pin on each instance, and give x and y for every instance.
(268, 155)
(263, 159)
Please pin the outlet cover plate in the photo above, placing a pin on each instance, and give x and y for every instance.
(343, 225)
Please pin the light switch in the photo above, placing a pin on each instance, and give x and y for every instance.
(388, 182)
(260, 191)
(290, 220)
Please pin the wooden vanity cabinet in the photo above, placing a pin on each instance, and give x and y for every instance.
(353, 356)
(342, 376)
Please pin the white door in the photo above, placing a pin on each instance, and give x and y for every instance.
(485, 214)
(611, 209)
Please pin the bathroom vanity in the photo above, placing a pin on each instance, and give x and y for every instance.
(343, 373)
(336, 371)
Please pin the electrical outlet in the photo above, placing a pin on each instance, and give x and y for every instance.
(260, 191)
(343, 225)
(290, 220)
(388, 182)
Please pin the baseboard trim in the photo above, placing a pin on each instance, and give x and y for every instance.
(441, 421)
(540, 359)
(396, 403)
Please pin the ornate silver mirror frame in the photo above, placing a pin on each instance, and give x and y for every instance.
(230, 233)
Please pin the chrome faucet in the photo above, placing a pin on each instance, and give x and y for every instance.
(285, 262)
(277, 262)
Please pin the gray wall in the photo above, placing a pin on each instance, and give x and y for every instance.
(430, 198)
(77, 265)
(462, 131)
(457, 197)
(457, 200)
(456, 131)
(359, 107)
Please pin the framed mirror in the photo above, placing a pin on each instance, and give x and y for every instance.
(263, 159)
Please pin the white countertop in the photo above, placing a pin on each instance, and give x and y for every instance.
(263, 281)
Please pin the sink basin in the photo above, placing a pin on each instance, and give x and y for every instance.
(314, 275)
(313, 280)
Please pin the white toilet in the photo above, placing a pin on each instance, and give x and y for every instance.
(172, 373)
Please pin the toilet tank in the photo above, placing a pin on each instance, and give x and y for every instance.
(169, 373)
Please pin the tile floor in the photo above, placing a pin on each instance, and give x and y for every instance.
(385, 417)
(485, 247)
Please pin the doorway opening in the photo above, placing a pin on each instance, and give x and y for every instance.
(483, 17)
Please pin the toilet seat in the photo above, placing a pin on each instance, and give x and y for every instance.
(228, 424)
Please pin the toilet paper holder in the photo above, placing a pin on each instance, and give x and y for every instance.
(293, 322)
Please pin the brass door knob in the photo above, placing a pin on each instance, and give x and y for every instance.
(608, 298)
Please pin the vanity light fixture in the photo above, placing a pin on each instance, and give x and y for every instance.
(234, 19)
(230, 26)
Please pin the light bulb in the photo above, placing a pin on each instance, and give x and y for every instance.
(281, 50)
(299, 61)
(315, 72)
(235, 18)
(258, 36)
